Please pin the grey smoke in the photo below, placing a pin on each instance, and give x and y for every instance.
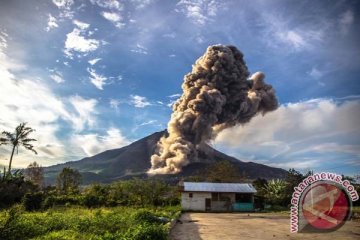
(217, 94)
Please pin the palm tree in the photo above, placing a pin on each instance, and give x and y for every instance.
(17, 139)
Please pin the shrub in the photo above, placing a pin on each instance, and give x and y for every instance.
(33, 201)
(144, 216)
(13, 188)
(95, 195)
(8, 224)
(146, 231)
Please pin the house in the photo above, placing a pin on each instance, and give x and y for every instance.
(217, 197)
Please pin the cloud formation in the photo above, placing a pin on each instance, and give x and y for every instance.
(98, 80)
(109, 4)
(308, 133)
(199, 11)
(77, 42)
(140, 49)
(57, 77)
(92, 144)
(139, 101)
(52, 23)
(94, 61)
(115, 18)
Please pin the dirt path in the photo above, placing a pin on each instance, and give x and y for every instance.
(227, 226)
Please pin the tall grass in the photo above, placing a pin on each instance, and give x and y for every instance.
(82, 223)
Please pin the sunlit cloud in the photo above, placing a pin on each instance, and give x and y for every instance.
(297, 131)
(139, 101)
(52, 23)
(98, 80)
(92, 144)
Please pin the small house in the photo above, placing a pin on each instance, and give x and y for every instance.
(217, 197)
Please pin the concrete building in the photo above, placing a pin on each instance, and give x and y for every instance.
(217, 197)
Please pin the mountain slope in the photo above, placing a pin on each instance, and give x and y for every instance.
(134, 160)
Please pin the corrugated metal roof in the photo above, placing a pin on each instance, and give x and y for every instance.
(219, 187)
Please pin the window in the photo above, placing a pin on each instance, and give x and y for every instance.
(243, 198)
(215, 196)
(190, 195)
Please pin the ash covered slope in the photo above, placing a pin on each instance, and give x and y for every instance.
(134, 160)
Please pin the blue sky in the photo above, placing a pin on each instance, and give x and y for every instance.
(92, 75)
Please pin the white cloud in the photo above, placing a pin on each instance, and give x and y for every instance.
(176, 95)
(92, 144)
(65, 8)
(115, 18)
(114, 103)
(150, 122)
(24, 100)
(81, 25)
(139, 101)
(57, 77)
(98, 80)
(316, 73)
(94, 61)
(139, 4)
(299, 131)
(293, 38)
(3, 41)
(140, 49)
(199, 11)
(75, 42)
(85, 113)
(345, 21)
(109, 4)
(279, 33)
(32, 101)
(51, 23)
(63, 4)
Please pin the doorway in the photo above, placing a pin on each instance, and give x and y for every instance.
(207, 204)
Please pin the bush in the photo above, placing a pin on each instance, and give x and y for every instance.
(144, 216)
(33, 201)
(146, 231)
(95, 195)
(8, 228)
(62, 200)
(13, 189)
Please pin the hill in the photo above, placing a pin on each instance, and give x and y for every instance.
(134, 160)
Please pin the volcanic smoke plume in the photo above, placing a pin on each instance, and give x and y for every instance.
(217, 94)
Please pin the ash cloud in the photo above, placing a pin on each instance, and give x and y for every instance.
(217, 94)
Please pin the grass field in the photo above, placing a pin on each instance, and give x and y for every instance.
(82, 223)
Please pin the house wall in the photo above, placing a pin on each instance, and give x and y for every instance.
(196, 203)
(221, 205)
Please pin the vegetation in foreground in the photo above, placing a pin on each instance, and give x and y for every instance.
(82, 223)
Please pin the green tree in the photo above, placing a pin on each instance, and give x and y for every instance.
(35, 173)
(275, 191)
(17, 139)
(223, 171)
(68, 180)
(260, 184)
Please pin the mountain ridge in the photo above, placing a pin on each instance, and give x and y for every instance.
(133, 160)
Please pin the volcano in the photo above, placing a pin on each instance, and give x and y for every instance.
(134, 161)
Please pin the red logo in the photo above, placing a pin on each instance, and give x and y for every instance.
(326, 206)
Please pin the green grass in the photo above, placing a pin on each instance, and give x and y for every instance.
(82, 223)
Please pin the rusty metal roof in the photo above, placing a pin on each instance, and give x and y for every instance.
(219, 187)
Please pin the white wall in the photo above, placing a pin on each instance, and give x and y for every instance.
(196, 203)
